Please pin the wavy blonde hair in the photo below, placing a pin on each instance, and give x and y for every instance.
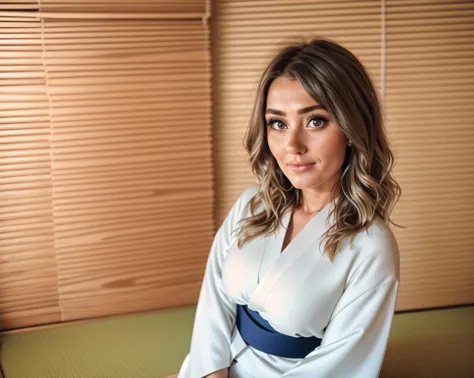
(336, 79)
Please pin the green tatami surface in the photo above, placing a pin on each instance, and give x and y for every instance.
(437, 343)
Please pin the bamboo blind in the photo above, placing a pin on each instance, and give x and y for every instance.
(429, 96)
(420, 54)
(105, 158)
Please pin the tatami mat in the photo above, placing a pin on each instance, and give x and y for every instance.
(430, 344)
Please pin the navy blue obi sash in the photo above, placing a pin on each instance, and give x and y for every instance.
(259, 334)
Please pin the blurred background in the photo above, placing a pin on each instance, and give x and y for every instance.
(121, 127)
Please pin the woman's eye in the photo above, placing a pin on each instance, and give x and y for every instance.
(317, 122)
(275, 124)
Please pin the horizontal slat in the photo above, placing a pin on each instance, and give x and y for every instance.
(104, 222)
(67, 99)
(66, 27)
(71, 136)
(90, 49)
(122, 87)
(88, 14)
(150, 183)
(131, 54)
(31, 78)
(133, 207)
(83, 244)
(82, 255)
(295, 13)
(74, 159)
(90, 234)
(95, 118)
(104, 7)
(324, 17)
(91, 216)
(108, 6)
(415, 83)
(120, 257)
(68, 108)
(85, 35)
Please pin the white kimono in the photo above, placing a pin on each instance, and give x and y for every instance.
(348, 303)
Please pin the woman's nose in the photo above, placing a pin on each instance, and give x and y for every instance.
(295, 143)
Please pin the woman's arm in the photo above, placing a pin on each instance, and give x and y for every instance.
(355, 341)
(210, 351)
(356, 337)
(224, 373)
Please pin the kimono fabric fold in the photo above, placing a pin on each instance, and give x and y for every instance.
(347, 303)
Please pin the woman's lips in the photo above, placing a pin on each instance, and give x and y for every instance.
(301, 167)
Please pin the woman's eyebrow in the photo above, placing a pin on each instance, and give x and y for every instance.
(300, 111)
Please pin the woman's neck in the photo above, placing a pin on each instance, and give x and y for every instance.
(313, 201)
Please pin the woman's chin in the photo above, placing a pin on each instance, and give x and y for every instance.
(302, 184)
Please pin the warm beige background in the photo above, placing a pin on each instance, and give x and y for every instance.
(420, 54)
(106, 182)
(107, 155)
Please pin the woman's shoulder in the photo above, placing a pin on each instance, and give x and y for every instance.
(248, 193)
(378, 235)
(244, 198)
(376, 248)
(240, 209)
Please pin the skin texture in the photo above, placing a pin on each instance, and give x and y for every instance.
(297, 134)
(224, 373)
(304, 138)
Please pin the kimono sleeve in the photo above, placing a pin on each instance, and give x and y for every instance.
(356, 337)
(215, 313)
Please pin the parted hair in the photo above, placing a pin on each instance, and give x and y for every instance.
(336, 79)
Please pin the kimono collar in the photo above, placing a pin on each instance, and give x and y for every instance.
(308, 236)
(316, 226)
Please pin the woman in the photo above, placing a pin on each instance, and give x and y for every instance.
(302, 277)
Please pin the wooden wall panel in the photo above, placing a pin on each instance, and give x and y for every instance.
(429, 96)
(28, 265)
(107, 181)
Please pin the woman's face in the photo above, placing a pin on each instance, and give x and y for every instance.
(299, 131)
